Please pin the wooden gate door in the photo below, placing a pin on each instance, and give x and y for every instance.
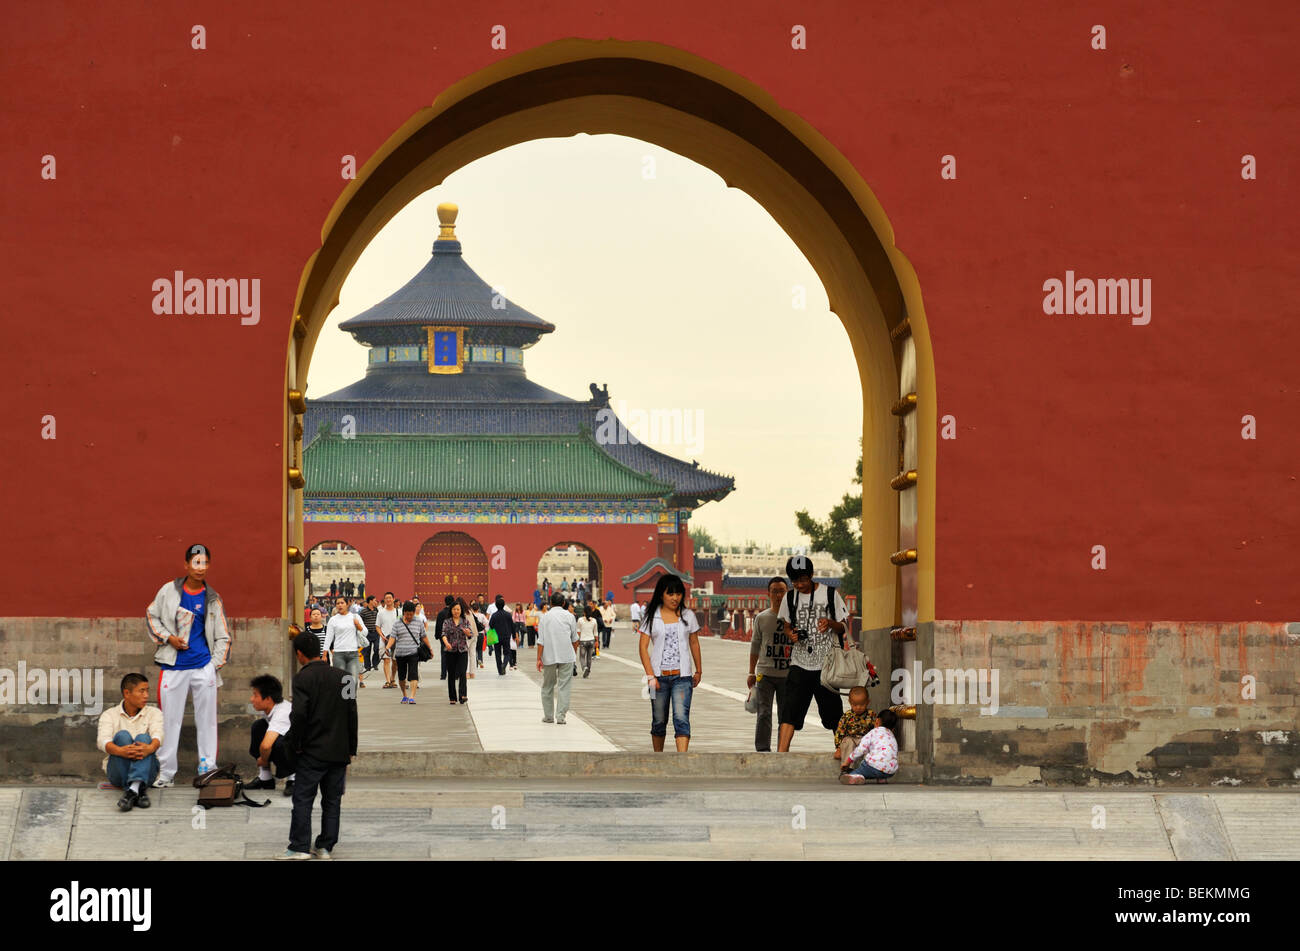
(450, 563)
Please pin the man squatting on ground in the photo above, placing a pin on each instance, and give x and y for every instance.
(269, 742)
(187, 621)
(130, 733)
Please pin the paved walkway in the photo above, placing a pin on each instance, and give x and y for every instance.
(670, 819)
(608, 709)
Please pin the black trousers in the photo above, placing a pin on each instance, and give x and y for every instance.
(502, 654)
(605, 632)
(457, 666)
(330, 778)
(442, 660)
(282, 757)
(370, 652)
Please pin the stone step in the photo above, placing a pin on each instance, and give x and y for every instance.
(566, 765)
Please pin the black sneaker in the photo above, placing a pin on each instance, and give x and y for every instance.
(128, 800)
(260, 784)
(142, 799)
(288, 787)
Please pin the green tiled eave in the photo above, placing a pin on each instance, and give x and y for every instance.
(472, 467)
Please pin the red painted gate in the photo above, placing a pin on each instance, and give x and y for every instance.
(450, 563)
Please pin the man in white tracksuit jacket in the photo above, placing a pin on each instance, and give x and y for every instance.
(188, 623)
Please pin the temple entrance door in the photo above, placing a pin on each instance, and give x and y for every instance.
(450, 563)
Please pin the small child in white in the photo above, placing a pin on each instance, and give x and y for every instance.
(875, 756)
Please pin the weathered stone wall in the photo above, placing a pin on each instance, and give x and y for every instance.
(49, 741)
(1102, 703)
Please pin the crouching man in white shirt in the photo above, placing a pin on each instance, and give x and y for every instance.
(269, 743)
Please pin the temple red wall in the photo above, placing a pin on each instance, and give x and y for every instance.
(1071, 431)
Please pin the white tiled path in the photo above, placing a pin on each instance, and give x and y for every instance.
(507, 713)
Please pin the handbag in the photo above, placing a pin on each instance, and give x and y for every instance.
(845, 668)
(422, 650)
(222, 786)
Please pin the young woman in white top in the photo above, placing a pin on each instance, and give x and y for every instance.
(670, 655)
(587, 633)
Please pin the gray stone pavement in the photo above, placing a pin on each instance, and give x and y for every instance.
(502, 716)
(611, 700)
(670, 819)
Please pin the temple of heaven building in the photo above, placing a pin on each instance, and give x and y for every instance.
(451, 472)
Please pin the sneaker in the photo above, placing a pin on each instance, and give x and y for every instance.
(260, 784)
(852, 779)
(587, 672)
(288, 787)
(548, 719)
(161, 783)
(322, 853)
(291, 855)
(128, 800)
(560, 720)
(142, 799)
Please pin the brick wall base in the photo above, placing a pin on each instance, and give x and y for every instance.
(1103, 703)
(51, 742)
(1078, 703)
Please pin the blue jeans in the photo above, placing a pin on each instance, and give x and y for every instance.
(122, 771)
(678, 689)
(869, 772)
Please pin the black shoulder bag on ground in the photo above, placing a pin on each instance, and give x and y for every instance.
(223, 787)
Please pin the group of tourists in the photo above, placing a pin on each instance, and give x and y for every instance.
(310, 740)
(803, 623)
(347, 588)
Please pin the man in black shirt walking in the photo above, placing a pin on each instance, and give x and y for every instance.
(323, 728)
(369, 615)
(445, 613)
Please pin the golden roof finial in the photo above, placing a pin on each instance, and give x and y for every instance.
(447, 219)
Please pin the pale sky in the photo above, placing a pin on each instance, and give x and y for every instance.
(675, 290)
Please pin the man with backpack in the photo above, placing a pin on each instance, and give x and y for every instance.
(815, 619)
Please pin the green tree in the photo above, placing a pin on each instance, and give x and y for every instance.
(703, 541)
(840, 534)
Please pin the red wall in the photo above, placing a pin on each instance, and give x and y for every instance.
(389, 551)
(1072, 431)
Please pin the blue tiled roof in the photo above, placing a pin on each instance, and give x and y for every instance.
(446, 291)
(712, 563)
(481, 387)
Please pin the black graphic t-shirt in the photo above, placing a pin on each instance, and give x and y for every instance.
(810, 653)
